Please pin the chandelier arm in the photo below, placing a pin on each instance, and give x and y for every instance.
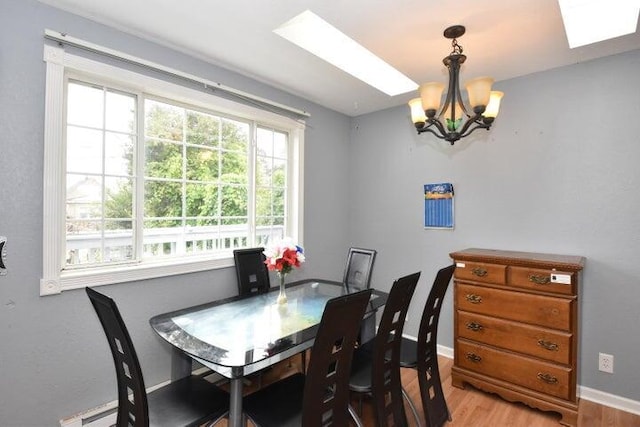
(441, 133)
(438, 124)
(427, 129)
(451, 62)
(479, 125)
(457, 89)
(453, 98)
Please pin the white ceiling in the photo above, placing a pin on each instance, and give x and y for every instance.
(504, 39)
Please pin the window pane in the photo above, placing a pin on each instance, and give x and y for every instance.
(85, 105)
(263, 171)
(118, 154)
(162, 199)
(265, 142)
(196, 179)
(202, 164)
(234, 167)
(263, 202)
(118, 241)
(202, 200)
(163, 121)
(121, 112)
(226, 222)
(203, 129)
(160, 224)
(99, 161)
(118, 201)
(234, 201)
(280, 145)
(84, 242)
(163, 160)
(279, 174)
(84, 150)
(84, 197)
(271, 180)
(204, 222)
(160, 237)
(278, 201)
(235, 135)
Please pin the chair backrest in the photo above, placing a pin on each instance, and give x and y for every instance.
(252, 272)
(132, 410)
(436, 410)
(385, 376)
(326, 392)
(357, 271)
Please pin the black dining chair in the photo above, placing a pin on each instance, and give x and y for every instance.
(321, 397)
(251, 271)
(423, 354)
(376, 364)
(190, 401)
(357, 274)
(253, 277)
(357, 270)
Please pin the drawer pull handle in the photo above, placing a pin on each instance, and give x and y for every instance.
(478, 271)
(539, 280)
(474, 299)
(551, 346)
(475, 326)
(475, 358)
(547, 378)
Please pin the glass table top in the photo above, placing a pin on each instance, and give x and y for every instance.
(238, 332)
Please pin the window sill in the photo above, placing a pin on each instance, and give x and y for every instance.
(106, 276)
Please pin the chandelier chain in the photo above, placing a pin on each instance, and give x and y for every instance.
(456, 48)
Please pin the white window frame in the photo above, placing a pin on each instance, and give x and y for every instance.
(61, 64)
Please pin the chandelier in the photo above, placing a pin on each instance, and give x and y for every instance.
(453, 119)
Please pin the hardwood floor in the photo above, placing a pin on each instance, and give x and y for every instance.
(474, 408)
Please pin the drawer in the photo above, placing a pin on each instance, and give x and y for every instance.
(533, 374)
(540, 280)
(481, 272)
(547, 344)
(540, 310)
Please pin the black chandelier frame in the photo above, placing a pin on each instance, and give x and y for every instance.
(433, 123)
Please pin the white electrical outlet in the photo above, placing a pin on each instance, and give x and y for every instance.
(605, 363)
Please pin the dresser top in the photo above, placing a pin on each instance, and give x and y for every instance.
(527, 259)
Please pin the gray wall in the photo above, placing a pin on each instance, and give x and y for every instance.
(558, 173)
(54, 359)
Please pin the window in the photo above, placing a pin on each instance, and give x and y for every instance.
(157, 179)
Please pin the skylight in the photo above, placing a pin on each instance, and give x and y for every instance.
(591, 21)
(317, 36)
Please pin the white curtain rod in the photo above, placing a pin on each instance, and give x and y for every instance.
(208, 84)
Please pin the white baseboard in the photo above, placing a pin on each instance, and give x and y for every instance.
(611, 400)
(105, 415)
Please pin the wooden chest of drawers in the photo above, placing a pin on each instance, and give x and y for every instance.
(516, 327)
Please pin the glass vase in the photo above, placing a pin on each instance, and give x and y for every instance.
(282, 296)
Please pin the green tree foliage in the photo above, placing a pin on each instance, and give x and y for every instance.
(196, 167)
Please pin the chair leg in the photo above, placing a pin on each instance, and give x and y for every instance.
(355, 417)
(412, 406)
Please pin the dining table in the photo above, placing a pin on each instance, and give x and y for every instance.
(238, 336)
